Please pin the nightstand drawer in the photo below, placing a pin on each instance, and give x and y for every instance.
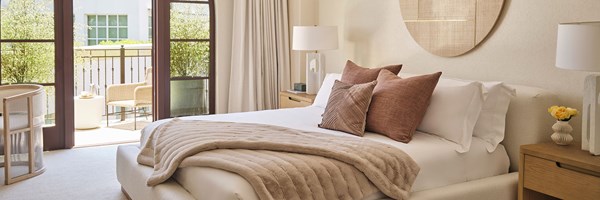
(560, 180)
(291, 102)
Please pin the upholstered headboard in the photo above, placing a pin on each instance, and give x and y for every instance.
(527, 120)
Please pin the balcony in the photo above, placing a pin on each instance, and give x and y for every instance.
(105, 65)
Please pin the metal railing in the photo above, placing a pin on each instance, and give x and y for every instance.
(105, 65)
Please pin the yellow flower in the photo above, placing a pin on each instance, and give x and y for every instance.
(562, 113)
(552, 108)
(572, 111)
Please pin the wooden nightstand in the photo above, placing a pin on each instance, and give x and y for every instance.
(549, 171)
(291, 100)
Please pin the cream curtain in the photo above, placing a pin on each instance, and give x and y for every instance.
(260, 60)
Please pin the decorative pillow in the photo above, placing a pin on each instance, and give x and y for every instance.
(347, 107)
(398, 105)
(356, 74)
(491, 124)
(325, 90)
(454, 109)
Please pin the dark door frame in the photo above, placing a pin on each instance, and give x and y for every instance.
(161, 56)
(61, 136)
(65, 77)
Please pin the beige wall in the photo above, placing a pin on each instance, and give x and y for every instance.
(302, 13)
(521, 49)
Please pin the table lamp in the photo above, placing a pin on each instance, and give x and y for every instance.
(578, 48)
(314, 39)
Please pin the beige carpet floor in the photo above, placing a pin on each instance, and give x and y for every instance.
(80, 173)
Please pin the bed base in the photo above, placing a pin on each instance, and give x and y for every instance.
(125, 193)
(132, 177)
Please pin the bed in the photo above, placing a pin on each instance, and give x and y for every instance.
(445, 173)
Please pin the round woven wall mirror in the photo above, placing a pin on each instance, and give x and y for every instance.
(450, 27)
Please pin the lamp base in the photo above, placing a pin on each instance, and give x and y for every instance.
(315, 72)
(590, 132)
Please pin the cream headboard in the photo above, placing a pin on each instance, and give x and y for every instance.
(527, 121)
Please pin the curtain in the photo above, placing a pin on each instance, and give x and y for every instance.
(260, 59)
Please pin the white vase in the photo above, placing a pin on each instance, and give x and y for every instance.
(562, 133)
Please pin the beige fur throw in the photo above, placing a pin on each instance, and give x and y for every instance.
(279, 162)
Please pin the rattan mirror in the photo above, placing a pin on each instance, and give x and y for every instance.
(450, 27)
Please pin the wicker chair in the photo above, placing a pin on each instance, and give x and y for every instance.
(131, 95)
(22, 117)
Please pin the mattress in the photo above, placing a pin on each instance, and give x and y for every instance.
(440, 164)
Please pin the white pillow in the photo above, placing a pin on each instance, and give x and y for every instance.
(491, 124)
(453, 111)
(325, 90)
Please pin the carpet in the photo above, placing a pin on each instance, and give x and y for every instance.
(80, 173)
(130, 126)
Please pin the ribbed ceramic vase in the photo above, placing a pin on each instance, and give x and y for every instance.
(562, 133)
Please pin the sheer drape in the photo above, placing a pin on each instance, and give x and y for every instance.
(260, 60)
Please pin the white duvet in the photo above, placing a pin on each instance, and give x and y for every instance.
(440, 164)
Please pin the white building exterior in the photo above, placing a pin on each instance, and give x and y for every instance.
(137, 12)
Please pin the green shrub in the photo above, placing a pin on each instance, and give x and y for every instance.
(27, 62)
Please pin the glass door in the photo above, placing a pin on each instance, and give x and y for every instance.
(191, 58)
(28, 49)
(184, 53)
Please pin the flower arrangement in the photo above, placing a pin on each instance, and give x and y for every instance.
(562, 113)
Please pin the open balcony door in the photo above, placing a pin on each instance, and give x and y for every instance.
(53, 61)
(184, 82)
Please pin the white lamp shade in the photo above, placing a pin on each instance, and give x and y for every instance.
(578, 46)
(312, 38)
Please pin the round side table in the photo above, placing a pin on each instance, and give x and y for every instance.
(88, 112)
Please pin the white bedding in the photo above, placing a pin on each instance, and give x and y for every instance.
(440, 164)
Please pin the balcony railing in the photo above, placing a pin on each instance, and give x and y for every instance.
(106, 65)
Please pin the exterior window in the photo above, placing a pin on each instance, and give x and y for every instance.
(106, 28)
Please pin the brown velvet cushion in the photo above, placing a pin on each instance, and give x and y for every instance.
(347, 106)
(398, 105)
(356, 74)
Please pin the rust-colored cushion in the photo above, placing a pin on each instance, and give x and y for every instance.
(398, 105)
(356, 74)
(347, 106)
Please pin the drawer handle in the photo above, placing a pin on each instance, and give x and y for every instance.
(292, 99)
(578, 169)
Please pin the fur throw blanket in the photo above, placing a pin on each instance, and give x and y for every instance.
(279, 162)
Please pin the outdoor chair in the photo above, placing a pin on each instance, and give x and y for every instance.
(130, 95)
(22, 109)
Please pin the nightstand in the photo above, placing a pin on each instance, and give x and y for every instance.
(549, 171)
(291, 100)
